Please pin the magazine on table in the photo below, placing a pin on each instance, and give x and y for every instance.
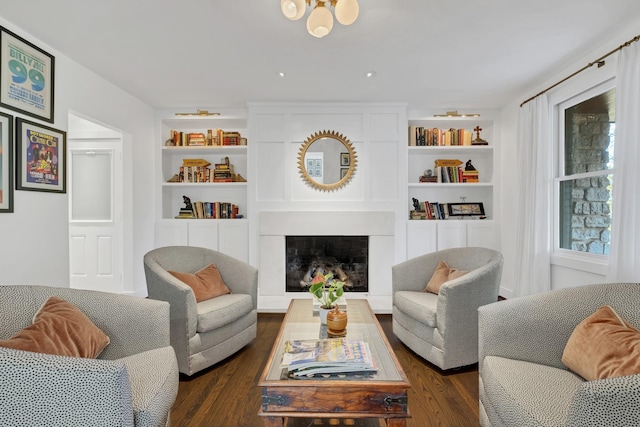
(331, 355)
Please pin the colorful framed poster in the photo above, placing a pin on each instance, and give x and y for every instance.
(26, 77)
(41, 157)
(6, 163)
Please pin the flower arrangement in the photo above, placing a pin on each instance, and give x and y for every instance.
(326, 289)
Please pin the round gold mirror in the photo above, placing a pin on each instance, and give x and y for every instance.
(327, 161)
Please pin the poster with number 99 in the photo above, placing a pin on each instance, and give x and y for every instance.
(26, 77)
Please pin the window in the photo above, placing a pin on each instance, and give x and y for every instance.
(585, 172)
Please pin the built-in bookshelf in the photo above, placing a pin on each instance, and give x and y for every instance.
(203, 162)
(450, 161)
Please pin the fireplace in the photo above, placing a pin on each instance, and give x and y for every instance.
(346, 257)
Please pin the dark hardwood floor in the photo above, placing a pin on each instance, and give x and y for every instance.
(226, 394)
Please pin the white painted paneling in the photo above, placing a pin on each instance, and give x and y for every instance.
(105, 255)
(203, 233)
(452, 234)
(483, 234)
(385, 126)
(383, 176)
(270, 173)
(271, 126)
(272, 267)
(78, 249)
(171, 233)
(421, 238)
(234, 238)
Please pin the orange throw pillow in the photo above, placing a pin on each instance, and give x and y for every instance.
(60, 328)
(206, 283)
(443, 273)
(603, 346)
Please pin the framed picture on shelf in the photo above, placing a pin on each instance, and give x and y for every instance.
(343, 172)
(6, 163)
(466, 209)
(26, 77)
(344, 159)
(41, 157)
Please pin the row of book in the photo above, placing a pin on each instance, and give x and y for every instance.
(214, 137)
(308, 358)
(197, 170)
(435, 210)
(431, 211)
(210, 210)
(455, 174)
(433, 137)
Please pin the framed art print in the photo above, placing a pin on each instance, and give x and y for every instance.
(41, 157)
(26, 77)
(466, 209)
(6, 163)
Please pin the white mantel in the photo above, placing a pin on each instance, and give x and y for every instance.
(275, 226)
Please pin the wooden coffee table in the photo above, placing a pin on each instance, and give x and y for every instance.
(382, 395)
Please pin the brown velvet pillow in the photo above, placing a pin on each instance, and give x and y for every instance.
(60, 328)
(206, 283)
(603, 346)
(443, 273)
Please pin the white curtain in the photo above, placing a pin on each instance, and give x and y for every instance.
(533, 252)
(624, 258)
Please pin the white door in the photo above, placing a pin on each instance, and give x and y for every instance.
(95, 214)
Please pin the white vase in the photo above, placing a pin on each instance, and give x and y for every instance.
(323, 314)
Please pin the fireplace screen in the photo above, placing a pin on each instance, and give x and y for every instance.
(344, 256)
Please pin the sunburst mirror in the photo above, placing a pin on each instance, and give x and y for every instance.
(327, 160)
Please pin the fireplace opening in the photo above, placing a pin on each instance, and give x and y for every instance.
(346, 257)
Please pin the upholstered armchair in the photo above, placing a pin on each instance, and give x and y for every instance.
(133, 382)
(523, 380)
(443, 328)
(204, 333)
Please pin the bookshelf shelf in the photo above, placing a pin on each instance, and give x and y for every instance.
(203, 184)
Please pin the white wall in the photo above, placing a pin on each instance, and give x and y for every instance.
(34, 247)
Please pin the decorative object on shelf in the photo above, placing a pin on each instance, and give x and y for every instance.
(187, 211)
(6, 163)
(336, 322)
(27, 75)
(330, 146)
(428, 176)
(466, 209)
(478, 140)
(320, 20)
(198, 113)
(455, 114)
(41, 157)
(327, 290)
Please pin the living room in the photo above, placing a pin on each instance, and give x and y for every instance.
(36, 233)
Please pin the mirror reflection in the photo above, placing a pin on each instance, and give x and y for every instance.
(327, 160)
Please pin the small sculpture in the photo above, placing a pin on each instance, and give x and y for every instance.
(469, 167)
(478, 140)
(416, 204)
(187, 203)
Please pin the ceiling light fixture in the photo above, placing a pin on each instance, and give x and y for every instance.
(320, 20)
(198, 113)
(455, 114)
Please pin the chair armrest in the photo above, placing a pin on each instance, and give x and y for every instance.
(38, 388)
(413, 274)
(609, 402)
(240, 277)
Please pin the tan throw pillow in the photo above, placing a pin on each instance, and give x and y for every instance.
(443, 273)
(60, 328)
(603, 346)
(206, 283)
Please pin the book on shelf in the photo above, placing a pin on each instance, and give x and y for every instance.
(420, 136)
(213, 137)
(306, 358)
(215, 210)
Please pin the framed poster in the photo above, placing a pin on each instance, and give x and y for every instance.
(466, 209)
(41, 157)
(6, 163)
(344, 159)
(26, 77)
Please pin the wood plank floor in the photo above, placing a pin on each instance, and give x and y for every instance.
(226, 394)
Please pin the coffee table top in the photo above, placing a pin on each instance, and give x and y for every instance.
(301, 323)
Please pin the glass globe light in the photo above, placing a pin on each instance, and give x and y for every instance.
(347, 11)
(320, 21)
(293, 9)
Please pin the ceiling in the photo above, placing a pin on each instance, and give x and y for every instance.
(439, 54)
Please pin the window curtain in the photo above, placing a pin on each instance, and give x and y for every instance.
(533, 253)
(624, 258)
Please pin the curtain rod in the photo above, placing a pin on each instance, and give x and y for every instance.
(599, 62)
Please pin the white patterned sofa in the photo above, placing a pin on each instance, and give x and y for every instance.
(523, 381)
(133, 382)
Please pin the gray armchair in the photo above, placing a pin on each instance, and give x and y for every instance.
(443, 328)
(207, 332)
(133, 382)
(523, 381)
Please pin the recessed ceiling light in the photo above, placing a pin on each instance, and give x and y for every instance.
(370, 74)
(281, 74)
